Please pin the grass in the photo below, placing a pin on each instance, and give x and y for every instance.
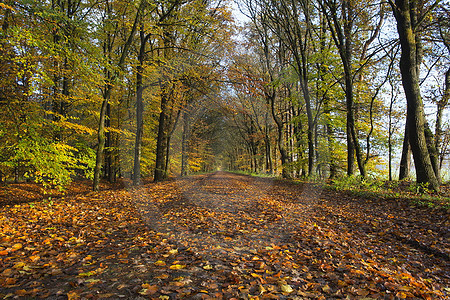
(417, 194)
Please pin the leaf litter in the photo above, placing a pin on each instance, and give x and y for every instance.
(222, 236)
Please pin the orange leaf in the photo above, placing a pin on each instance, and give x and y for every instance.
(73, 295)
(20, 292)
(10, 281)
(34, 258)
(148, 289)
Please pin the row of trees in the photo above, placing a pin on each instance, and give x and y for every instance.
(95, 88)
(310, 88)
(327, 73)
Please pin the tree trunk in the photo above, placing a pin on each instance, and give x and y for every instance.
(107, 96)
(139, 107)
(268, 152)
(390, 132)
(161, 142)
(139, 126)
(439, 115)
(434, 155)
(108, 145)
(342, 34)
(101, 139)
(410, 80)
(346, 56)
(405, 161)
(333, 166)
(16, 174)
(184, 145)
(279, 123)
(352, 139)
(302, 60)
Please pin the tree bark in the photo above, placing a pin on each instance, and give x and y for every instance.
(405, 161)
(434, 155)
(161, 141)
(268, 151)
(108, 170)
(139, 127)
(390, 132)
(279, 124)
(101, 139)
(184, 145)
(139, 107)
(439, 115)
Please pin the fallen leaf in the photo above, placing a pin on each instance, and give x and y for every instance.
(159, 263)
(326, 288)
(148, 289)
(286, 288)
(19, 265)
(10, 281)
(73, 295)
(17, 246)
(177, 267)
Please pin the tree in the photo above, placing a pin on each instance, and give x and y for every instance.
(108, 90)
(342, 18)
(407, 16)
(291, 22)
(206, 23)
(40, 140)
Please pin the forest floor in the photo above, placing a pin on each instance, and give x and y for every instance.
(219, 236)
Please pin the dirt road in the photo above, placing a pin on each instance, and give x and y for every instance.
(223, 236)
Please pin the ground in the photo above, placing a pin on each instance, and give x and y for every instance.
(219, 236)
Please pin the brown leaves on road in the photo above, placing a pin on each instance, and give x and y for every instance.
(222, 236)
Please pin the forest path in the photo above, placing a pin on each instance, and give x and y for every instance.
(316, 241)
(223, 236)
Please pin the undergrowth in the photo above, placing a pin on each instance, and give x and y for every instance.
(418, 194)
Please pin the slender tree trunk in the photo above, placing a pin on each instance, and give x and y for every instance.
(16, 174)
(329, 130)
(107, 96)
(333, 166)
(173, 124)
(390, 133)
(310, 131)
(342, 34)
(101, 139)
(410, 80)
(139, 126)
(268, 152)
(303, 72)
(166, 166)
(184, 145)
(108, 145)
(347, 53)
(139, 107)
(161, 142)
(279, 124)
(439, 115)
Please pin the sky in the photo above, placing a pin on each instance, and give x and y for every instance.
(239, 17)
